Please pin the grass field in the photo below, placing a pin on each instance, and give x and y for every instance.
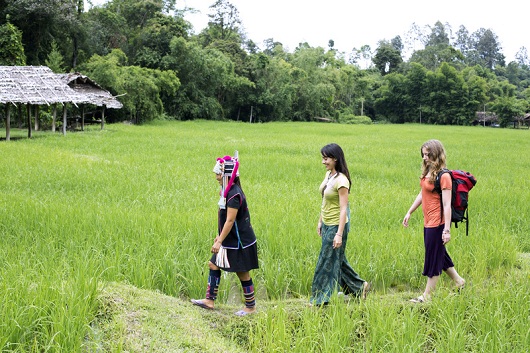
(105, 235)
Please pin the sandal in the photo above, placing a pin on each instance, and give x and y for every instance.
(366, 289)
(244, 313)
(460, 287)
(420, 299)
(201, 304)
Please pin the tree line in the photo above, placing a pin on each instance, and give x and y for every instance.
(147, 50)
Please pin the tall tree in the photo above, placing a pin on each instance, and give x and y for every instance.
(447, 96)
(108, 31)
(387, 58)
(440, 35)
(462, 41)
(522, 57)
(486, 49)
(11, 48)
(43, 21)
(224, 23)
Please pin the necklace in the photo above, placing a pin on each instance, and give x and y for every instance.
(332, 176)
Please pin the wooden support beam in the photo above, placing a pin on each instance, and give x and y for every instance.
(28, 114)
(8, 122)
(64, 119)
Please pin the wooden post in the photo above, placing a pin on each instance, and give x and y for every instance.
(28, 113)
(37, 117)
(54, 121)
(83, 117)
(64, 119)
(19, 116)
(103, 117)
(8, 122)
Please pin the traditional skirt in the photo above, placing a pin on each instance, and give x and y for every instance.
(333, 270)
(240, 260)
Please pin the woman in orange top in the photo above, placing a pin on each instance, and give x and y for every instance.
(437, 229)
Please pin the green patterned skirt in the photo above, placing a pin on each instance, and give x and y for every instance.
(333, 270)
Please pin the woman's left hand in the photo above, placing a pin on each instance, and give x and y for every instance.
(446, 237)
(337, 241)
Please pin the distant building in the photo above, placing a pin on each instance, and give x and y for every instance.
(34, 86)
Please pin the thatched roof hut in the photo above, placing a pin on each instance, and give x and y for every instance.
(485, 118)
(90, 90)
(35, 85)
(39, 85)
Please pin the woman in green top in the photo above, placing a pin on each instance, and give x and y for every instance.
(333, 270)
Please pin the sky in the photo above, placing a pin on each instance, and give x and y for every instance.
(352, 24)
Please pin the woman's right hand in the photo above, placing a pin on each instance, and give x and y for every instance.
(406, 220)
(216, 245)
(319, 229)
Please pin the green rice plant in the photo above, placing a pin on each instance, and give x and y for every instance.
(138, 205)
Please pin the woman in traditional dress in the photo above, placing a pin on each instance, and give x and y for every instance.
(234, 248)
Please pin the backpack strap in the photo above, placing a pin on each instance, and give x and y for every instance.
(438, 189)
(437, 186)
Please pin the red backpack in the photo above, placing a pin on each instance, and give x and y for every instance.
(462, 183)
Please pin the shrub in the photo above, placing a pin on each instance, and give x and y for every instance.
(354, 119)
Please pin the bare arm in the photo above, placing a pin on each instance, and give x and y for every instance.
(343, 218)
(446, 201)
(413, 207)
(231, 214)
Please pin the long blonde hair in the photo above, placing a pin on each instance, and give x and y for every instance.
(436, 155)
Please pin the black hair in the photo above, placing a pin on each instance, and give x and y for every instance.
(333, 150)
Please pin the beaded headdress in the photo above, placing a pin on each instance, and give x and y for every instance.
(229, 168)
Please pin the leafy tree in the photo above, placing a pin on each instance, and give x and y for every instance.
(276, 49)
(314, 82)
(11, 48)
(153, 41)
(43, 21)
(392, 98)
(438, 49)
(522, 57)
(208, 81)
(108, 31)
(274, 91)
(143, 88)
(416, 89)
(439, 35)
(478, 89)
(463, 40)
(486, 49)
(507, 109)
(387, 58)
(55, 60)
(224, 21)
(361, 56)
(433, 56)
(447, 97)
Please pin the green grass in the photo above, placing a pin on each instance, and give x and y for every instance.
(105, 235)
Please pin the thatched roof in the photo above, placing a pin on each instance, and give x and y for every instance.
(487, 117)
(93, 92)
(36, 85)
